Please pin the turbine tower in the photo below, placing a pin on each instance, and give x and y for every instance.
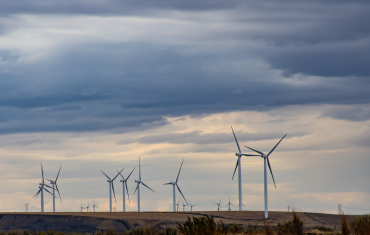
(238, 163)
(218, 205)
(111, 186)
(94, 205)
(124, 182)
(183, 206)
(178, 206)
(41, 189)
(267, 162)
(138, 188)
(82, 207)
(55, 186)
(191, 206)
(229, 204)
(174, 189)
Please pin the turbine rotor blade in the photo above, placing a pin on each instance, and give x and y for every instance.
(181, 193)
(56, 186)
(167, 183)
(268, 163)
(48, 191)
(250, 155)
(254, 150)
(37, 193)
(48, 186)
(139, 170)
(58, 173)
(179, 171)
(147, 186)
(136, 189)
(127, 192)
(114, 192)
(105, 174)
(237, 163)
(118, 174)
(130, 173)
(121, 175)
(42, 172)
(236, 140)
(276, 145)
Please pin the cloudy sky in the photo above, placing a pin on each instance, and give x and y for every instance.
(93, 85)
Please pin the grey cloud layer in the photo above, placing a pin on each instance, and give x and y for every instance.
(199, 58)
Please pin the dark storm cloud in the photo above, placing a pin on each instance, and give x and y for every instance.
(214, 66)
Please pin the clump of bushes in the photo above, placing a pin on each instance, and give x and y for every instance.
(322, 228)
(360, 225)
(206, 225)
(293, 227)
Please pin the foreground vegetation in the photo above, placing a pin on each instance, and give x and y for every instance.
(207, 226)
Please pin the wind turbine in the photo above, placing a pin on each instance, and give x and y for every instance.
(174, 190)
(111, 186)
(82, 207)
(55, 186)
(138, 188)
(94, 205)
(178, 205)
(124, 182)
(242, 205)
(266, 161)
(238, 163)
(88, 206)
(229, 204)
(191, 206)
(218, 205)
(183, 206)
(41, 189)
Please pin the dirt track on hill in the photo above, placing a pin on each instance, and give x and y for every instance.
(120, 221)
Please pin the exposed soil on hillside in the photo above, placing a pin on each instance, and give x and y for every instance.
(119, 221)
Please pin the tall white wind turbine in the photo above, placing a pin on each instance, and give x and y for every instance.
(178, 205)
(111, 186)
(174, 189)
(138, 188)
(267, 161)
(41, 189)
(183, 206)
(238, 163)
(82, 207)
(124, 182)
(229, 204)
(88, 206)
(55, 186)
(191, 206)
(94, 205)
(218, 205)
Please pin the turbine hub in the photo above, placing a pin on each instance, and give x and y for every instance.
(137, 181)
(238, 154)
(264, 156)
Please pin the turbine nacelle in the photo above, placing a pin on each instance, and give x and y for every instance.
(238, 154)
(264, 156)
(137, 181)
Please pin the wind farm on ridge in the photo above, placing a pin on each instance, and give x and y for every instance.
(43, 187)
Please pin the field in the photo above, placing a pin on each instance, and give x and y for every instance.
(118, 221)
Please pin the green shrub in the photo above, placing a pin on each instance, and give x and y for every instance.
(235, 228)
(294, 227)
(322, 228)
(360, 225)
(344, 227)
